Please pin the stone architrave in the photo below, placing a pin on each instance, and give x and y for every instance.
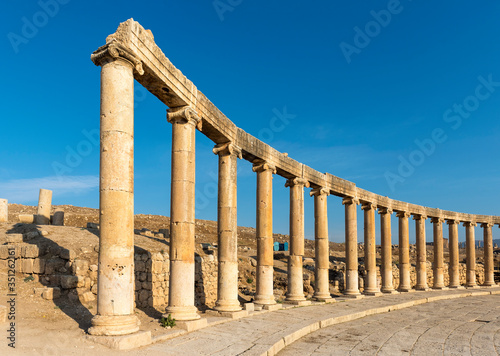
(438, 265)
(453, 269)
(181, 296)
(386, 242)
(404, 252)
(44, 206)
(322, 285)
(370, 283)
(351, 246)
(227, 277)
(489, 279)
(4, 210)
(421, 252)
(115, 284)
(470, 254)
(295, 290)
(265, 255)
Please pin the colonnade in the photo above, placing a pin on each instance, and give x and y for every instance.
(115, 303)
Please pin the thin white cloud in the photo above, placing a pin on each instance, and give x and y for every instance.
(26, 190)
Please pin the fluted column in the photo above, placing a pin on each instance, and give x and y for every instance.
(470, 251)
(489, 279)
(295, 289)
(115, 281)
(184, 121)
(386, 242)
(404, 252)
(438, 282)
(371, 287)
(421, 252)
(453, 269)
(322, 290)
(264, 290)
(351, 247)
(227, 276)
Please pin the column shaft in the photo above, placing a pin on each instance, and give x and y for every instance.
(421, 252)
(42, 216)
(386, 241)
(404, 253)
(264, 290)
(351, 247)
(453, 269)
(182, 214)
(370, 249)
(4, 210)
(295, 275)
(438, 282)
(322, 290)
(227, 281)
(470, 250)
(489, 278)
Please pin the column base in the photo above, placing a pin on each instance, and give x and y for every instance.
(456, 287)
(182, 313)
(473, 286)
(114, 325)
(324, 300)
(295, 298)
(353, 295)
(406, 290)
(389, 291)
(322, 297)
(439, 288)
(422, 287)
(297, 302)
(264, 300)
(489, 284)
(227, 306)
(373, 294)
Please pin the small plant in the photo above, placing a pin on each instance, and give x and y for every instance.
(249, 280)
(162, 251)
(29, 279)
(167, 322)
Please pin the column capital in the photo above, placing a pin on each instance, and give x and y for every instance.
(368, 206)
(419, 217)
(403, 214)
(452, 222)
(319, 191)
(437, 220)
(227, 149)
(487, 225)
(261, 165)
(114, 50)
(384, 210)
(184, 115)
(469, 224)
(297, 181)
(350, 200)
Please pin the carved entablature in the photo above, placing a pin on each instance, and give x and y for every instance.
(350, 200)
(384, 210)
(403, 214)
(227, 149)
(319, 191)
(453, 222)
(419, 217)
(114, 50)
(437, 220)
(368, 206)
(184, 115)
(297, 181)
(261, 166)
(469, 224)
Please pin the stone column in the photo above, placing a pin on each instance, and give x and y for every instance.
(182, 210)
(322, 290)
(453, 269)
(421, 252)
(470, 251)
(351, 247)
(489, 279)
(371, 287)
(295, 290)
(42, 216)
(386, 242)
(227, 286)
(265, 255)
(115, 282)
(404, 252)
(4, 210)
(438, 282)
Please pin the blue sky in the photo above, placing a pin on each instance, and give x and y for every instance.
(365, 85)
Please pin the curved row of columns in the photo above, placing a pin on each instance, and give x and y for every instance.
(115, 304)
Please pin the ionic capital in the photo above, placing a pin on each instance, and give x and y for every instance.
(437, 220)
(319, 191)
(383, 210)
(403, 214)
(261, 166)
(350, 200)
(301, 182)
(184, 115)
(486, 225)
(453, 222)
(227, 149)
(469, 224)
(368, 206)
(419, 217)
(114, 50)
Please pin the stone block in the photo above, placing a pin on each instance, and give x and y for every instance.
(93, 268)
(91, 225)
(87, 297)
(39, 266)
(68, 282)
(67, 254)
(125, 342)
(192, 325)
(58, 218)
(14, 238)
(27, 265)
(140, 266)
(272, 307)
(80, 267)
(30, 235)
(51, 293)
(4, 252)
(80, 281)
(249, 307)
(30, 251)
